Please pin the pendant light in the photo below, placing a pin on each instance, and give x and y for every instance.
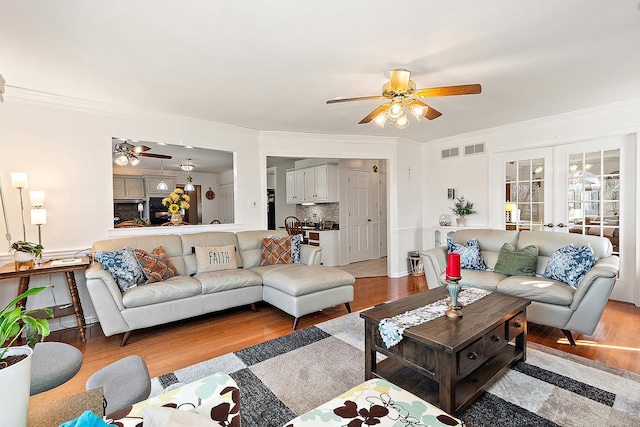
(188, 167)
(162, 186)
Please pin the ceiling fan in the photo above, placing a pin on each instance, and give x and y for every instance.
(401, 93)
(125, 152)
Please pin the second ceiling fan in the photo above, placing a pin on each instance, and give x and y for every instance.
(402, 93)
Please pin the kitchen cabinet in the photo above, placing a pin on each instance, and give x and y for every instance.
(328, 240)
(128, 187)
(316, 184)
(295, 186)
(151, 184)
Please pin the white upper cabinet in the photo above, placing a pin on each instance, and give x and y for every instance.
(315, 184)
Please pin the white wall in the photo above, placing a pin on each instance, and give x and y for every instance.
(65, 148)
(471, 175)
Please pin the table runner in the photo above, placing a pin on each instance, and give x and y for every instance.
(391, 329)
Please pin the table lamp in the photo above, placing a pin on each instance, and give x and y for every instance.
(38, 216)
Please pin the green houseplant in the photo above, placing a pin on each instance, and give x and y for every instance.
(33, 249)
(15, 362)
(462, 208)
(16, 319)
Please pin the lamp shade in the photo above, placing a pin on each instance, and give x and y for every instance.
(510, 207)
(37, 198)
(38, 216)
(162, 186)
(19, 180)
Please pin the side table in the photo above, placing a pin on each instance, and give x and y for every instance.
(8, 271)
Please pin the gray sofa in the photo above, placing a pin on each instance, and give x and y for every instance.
(297, 289)
(553, 303)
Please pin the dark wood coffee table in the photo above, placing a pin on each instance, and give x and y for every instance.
(449, 362)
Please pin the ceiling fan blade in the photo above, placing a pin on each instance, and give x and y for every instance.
(374, 113)
(472, 89)
(362, 98)
(400, 80)
(140, 148)
(156, 156)
(432, 113)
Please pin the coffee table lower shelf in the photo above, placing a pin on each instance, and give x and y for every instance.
(467, 389)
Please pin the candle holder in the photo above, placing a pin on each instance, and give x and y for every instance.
(454, 289)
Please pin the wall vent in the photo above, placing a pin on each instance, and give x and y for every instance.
(450, 152)
(474, 149)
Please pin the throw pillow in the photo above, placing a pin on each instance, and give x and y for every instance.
(123, 266)
(276, 250)
(569, 264)
(520, 262)
(156, 265)
(470, 255)
(158, 416)
(215, 258)
(296, 240)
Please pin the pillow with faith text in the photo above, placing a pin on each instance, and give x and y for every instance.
(215, 258)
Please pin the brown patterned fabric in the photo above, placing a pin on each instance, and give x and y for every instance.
(276, 250)
(156, 265)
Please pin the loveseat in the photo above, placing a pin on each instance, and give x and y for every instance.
(296, 288)
(553, 302)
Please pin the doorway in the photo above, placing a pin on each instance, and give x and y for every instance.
(585, 188)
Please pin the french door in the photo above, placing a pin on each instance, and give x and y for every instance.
(584, 188)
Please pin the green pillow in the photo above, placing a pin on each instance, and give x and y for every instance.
(521, 262)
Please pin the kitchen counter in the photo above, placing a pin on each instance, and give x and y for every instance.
(328, 240)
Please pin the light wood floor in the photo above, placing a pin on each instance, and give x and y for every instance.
(616, 341)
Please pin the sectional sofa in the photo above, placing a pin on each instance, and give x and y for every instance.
(296, 288)
(553, 302)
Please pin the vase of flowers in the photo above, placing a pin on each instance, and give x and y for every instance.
(462, 208)
(176, 203)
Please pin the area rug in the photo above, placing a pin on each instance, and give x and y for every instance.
(285, 377)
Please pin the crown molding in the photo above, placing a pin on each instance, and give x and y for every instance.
(15, 93)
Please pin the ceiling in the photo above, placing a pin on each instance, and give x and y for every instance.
(202, 160)
(273, 65)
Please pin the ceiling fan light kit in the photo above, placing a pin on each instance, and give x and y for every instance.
(402, 93)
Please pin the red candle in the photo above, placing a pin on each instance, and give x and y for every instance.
(453, 265)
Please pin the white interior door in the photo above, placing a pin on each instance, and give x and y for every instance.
(585, 188)
(359, 226)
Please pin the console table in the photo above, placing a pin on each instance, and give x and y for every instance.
(8, 271)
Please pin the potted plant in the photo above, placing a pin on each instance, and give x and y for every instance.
(25, 251)
(15, 362)
(462, 208)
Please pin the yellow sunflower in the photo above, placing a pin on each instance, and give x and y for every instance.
(173, 208)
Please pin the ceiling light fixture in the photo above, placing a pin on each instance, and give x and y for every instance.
(162, 186)
(402, 93)
(123, 154)
(188, 168)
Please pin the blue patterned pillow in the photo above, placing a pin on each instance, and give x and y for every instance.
(569, 264)
(295, 247)
(470, 256)
(123, 266)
